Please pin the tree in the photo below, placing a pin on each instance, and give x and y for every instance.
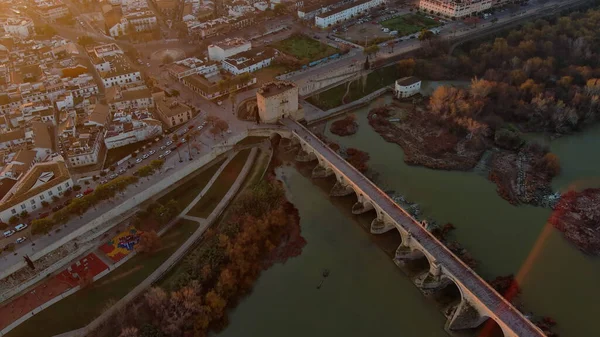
(222, 126)
(279, 9)
(157, 163)
(24, 215)
(13, 220)
(426, 35)
(76, 188)
(45, 203)
(187, 138)
(551, 164)
(145, 171)
(371, 50)
(406, 67)
(367, 66)
(212, 119)
(149, 243)
(42, 226)
(129, 332)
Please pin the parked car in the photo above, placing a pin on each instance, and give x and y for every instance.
(112, 176)
(20, 227)
(139, 160)
(169, 143)
(21, 239)
(9, 233)
(57, 208)
(145, 156)
(43, 215)
(167, 152)
(200, 127)
(152, 152)
(163, 147)
(183, 140)
(79, 196)
(121, 171)
(161, 156)
(88, 191)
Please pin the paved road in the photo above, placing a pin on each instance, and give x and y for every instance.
(453, 266)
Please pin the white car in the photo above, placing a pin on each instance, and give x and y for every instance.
(228, 131)
(20, 227)
(152, 152)
(169, 143)
(163, 147)
(200, 127)
(79, 196)
(183, 140)
(139, 160)
(167, 153)
(9, 233)
(145, 156)
(112, 176)
(21, 239)
(121, 171)
(161, 156)
(204, 123)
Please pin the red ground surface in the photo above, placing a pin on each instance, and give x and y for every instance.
(49, 289)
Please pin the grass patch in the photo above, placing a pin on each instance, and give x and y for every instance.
(376, 80)
(269, 73)
(185, 193)
(251, 140)
(409, 24)
(221, 186)
(304, 48)
(114, 155)
(81, 308)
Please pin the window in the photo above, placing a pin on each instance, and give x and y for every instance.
(59, 188)
(49, 193)
(67, 184)
(13, 211)
(33, 207)
(41, 197)
(33, 201)
(23, 206)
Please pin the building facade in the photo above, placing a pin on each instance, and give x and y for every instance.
(346, 12)
(227, 48)
(170, 111)
(457, 8)
(248, 62)
(276, 100)
(407, 86)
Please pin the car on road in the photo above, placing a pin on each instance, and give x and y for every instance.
(163, 147)
(200, 127)
(169, 143)
(57, 208)
(112, 176)
(152, 152)
(103, 181)
(79, 196)
(21, 239)
(9, 233)
(139, 160)
(121, 171)
(167, 152)
(20, 227)
(161, 156)
(88, 191)
(183, 140)
(148, 64)
(228, 131)
(145, 156)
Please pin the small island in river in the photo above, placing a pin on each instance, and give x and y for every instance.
(577, 215)
(344, 127)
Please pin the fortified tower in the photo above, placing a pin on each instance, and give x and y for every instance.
(278, 99)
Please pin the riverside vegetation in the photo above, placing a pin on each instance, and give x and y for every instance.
(260, 228)
(542, 77)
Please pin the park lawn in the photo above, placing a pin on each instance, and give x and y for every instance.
(221, 186)
(409, 24)
(376, 80)
(185, 193)
(270, 73)
(304, 48)
(81, 308)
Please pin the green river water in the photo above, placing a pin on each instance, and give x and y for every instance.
(366, 294)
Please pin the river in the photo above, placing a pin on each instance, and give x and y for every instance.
(557, 279)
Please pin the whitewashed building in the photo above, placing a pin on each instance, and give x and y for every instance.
(456, 8)
(19, 27)
(407, 86)
(126, 130)
(249, 61)
(227, 48)
(343, 13)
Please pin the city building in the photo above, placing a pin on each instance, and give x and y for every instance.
(407, 86)
(211, 87)
(458, 8)
(120, 99)
(119, 25)
(343, 13)
(191, 66)
(83, 148)
(227, 48)
(40, 183)
(276, 100)
(41, 140)
(248, 61)
(128, 128)
(51, 11)
(202, 30)
(12, 139)
(170, 111)
(114, 67)
(18, 27)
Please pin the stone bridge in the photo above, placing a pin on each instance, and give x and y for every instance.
(479, 301)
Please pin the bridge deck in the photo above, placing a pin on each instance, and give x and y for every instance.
(505, 312)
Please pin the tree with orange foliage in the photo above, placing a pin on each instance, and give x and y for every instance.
(149, 243)
(550, 164)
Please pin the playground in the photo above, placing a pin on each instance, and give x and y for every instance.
(122, 244)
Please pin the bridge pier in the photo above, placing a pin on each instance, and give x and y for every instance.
(321, 171)
(305, 157)
(431, 280)
(340, 190)
(380, 226)
(405, 253)
(361, 207)
(466, 316)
